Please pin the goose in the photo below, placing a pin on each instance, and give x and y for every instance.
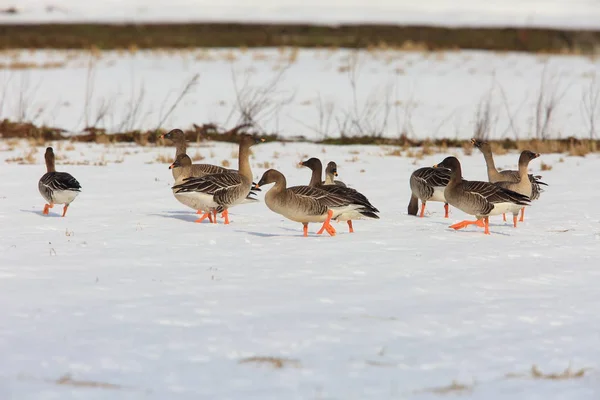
(197, 170)
(428, 184)
(184, 163)
(57, 187)
(523, 185)
(331, 173)
(305, 204)
(495, 176)
(221, 191)
(367, 211)
(481, 199)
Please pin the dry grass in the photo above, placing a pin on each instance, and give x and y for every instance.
(498, 149)
(397, 152)
(545, 167)
(573, 147)
(20, 65)
(453, 388)
(197, 156)
(68, 381)
(29, 157)
(265, 165)
(467, 149)
(225, 163)
(535, 373)
(275, 362)
(163, 159)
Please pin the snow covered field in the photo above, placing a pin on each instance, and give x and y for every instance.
(304, 92)
(544, 13)
(128, 291)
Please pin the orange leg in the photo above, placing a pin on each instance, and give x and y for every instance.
(522, 214)
(214, 216)
(65, 209)
(203, 217)
(422, 210)
(487, 225)
(350, 229)
(515, 221)
(446, 208)
(463, 224)
(210, 218)
(47, 208)
(326, 225)
(225, 215)
(305, 229)
(504, 217)
(330, 229)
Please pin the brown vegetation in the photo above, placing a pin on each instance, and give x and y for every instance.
(275, 362)
(130, 37)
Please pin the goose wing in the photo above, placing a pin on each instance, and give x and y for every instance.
(494, 193)
(433, 176)
(536, 188)
(325, 197)
(353, 196)
(57, 181)
(209, 169)
(210, 184)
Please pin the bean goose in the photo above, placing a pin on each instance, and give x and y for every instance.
(57, 187)
(184, 164)
(331, 173)
(221, 191)
(523, 185)
(197, 170)
(367, 211)
(495, 176)
(481, 199)
(305, 204)
(428, 184)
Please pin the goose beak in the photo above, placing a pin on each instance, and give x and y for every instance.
(172, 166)
(301, 164)
(335, 173)
(473, 141)
(256, 186)
(537, 155)
(435, 166)
(259, 140)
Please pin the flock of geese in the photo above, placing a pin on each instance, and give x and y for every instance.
(211, 189)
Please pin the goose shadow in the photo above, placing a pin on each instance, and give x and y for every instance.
(295, 233)
(495, 225)
(180, 215)
(266, 235)
(41, 213)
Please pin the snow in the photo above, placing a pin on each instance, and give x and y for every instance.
(127, 290)
(424, 95)
(518, 13)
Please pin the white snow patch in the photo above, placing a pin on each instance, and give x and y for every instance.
(127, 290)
(533, 13)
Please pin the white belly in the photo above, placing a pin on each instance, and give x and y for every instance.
(293, 214)
(438, 194)
(347, 213)
(503, 208)
(63, 196)
(197, 201)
